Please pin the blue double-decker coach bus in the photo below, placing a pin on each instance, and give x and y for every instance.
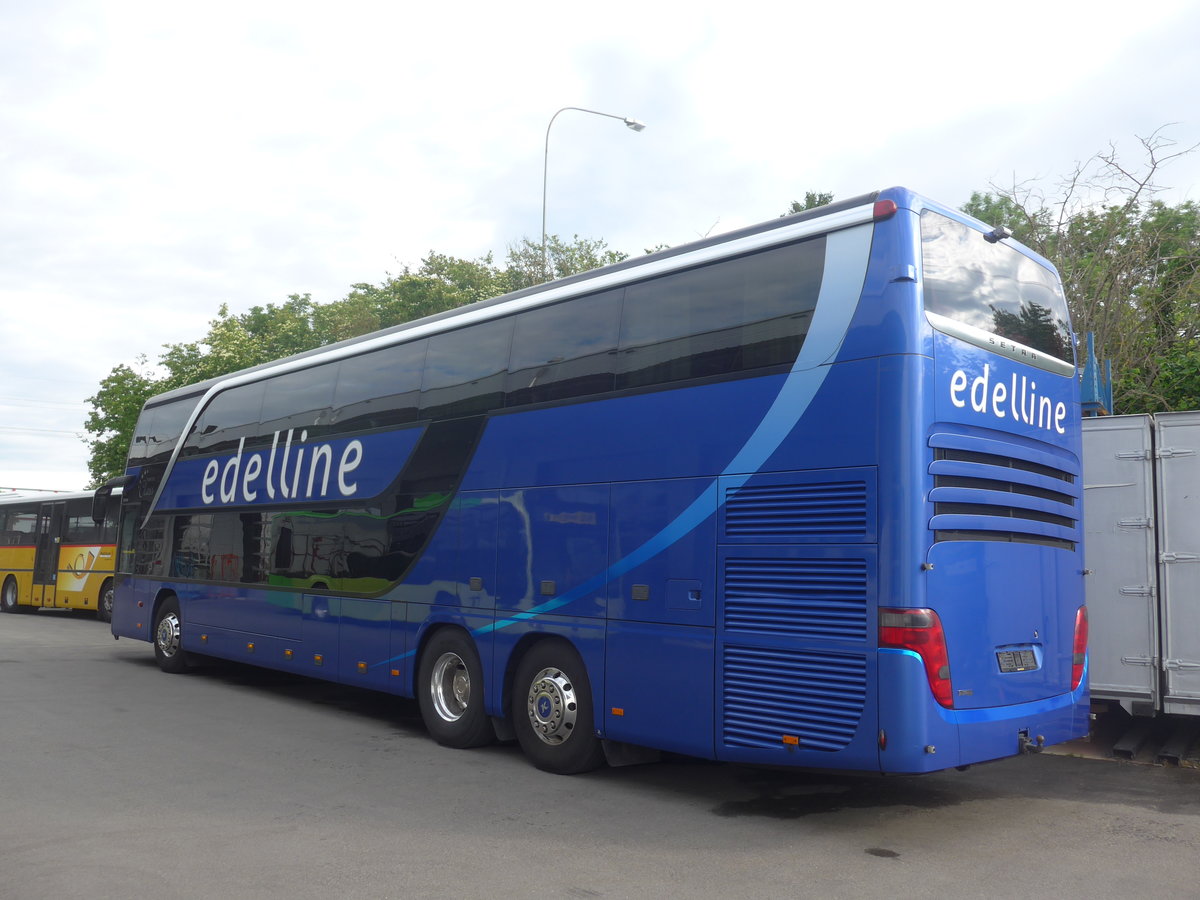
(804, 494)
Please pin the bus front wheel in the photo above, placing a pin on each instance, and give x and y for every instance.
(450, 692)
(168, 633)
(8, 599)
(552, 710)
(104, 602)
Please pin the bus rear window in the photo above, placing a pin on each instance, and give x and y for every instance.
(992, 289)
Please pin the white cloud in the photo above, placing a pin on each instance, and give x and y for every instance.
(158, 161)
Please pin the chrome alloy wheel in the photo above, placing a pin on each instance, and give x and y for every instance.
(167, 636)
(450, 687)
(552, 706)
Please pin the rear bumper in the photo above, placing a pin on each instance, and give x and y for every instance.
(922, 736)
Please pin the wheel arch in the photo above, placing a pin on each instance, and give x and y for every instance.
(429, 633)
(522, 648)
(160, 598)
(106, 585)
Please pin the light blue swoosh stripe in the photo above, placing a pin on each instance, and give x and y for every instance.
(845, 266)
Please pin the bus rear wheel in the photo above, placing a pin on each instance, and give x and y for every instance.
(450, 692)
(104, 602)
(168, 635)
(552, 710)
(8, 598)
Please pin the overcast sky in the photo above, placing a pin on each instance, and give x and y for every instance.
(158, 160)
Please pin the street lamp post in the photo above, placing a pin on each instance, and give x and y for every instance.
(630, 123)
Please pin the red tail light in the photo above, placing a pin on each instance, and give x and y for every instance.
(1079, 649)
(883, 208)
(920, 630)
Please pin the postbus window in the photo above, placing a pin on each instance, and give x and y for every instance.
(300, 400)
(565, 350)
(465, 370)
(231, 415)
(80, 529)
(745, 313)
(378, 389)
(18, 523)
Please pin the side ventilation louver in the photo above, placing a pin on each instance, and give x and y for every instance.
(809, 598)
(990, 490)
(827, 510)
(767, 694)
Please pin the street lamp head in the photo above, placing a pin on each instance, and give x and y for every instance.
(632, 124)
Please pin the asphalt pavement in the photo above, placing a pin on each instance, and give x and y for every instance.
(231, 782)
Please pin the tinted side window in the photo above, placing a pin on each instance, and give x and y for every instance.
(224, 546)
(230, 416)
(108, 530)
(565, 350)
(737, 314)
(378, 389)
(301, 400)
(465, 370)
(354, 550)
(138, 445)
(191, 556)
(148, 546)
(158, 429)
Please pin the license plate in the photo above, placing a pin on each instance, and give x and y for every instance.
(1016, 660)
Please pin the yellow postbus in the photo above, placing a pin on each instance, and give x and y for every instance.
(54, 556)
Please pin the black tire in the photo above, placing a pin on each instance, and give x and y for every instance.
(552, 710)
(450, 691)
(104, 602)
(168, 638)
(8, 596)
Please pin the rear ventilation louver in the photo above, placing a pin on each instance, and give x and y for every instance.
(988, 490)
(770, 696)
(808, 598)
(830, 509)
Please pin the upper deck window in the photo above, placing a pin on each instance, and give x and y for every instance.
(158, 430)
(993, 289)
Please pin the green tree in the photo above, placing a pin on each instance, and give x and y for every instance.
(812, 199)
(524, 262)
(1029, 226)
(440, 283)
(115, 408)
(233, 342)
(273, 331)
(1129, 264)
